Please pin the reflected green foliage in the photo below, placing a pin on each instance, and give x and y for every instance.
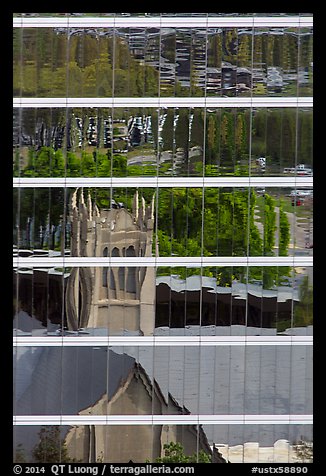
(90, 56)
(174, 453)
(180, 217)
(88, 72)
(51, 448)
(273, 136)
(35, 204)
(303, 311)
(47, 162)
(269, 224)
(226, 149)
(284, 233)
(304, 451)
(19, 455)
(227, 228)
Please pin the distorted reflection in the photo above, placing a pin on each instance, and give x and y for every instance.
(90, 381)
(130, 391)
(141, 299)
(140, 380)
(93, 300)
(219, 221)
(235, 61)
(54, 444)
(170, 141)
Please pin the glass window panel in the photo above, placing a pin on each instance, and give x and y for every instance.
(298, 395)
(152, 67)
(308, 401)
(227, 141)
(17, 45)
(167, 301)
(133, 54)
(275, 52)
(239, 301)
(259, 66)
(167, 62)
(305, 143)
(138, 133)
(182, 132)
(266, 142)
(276, 443)
(229, 61)
(141, 380)
(222, 381)
(244, 71)
(212, 142)
(197, 119)
(288, 140)
(38, 381)
(81, 142)
(305, 66)
(214, 61)
(218, 300)
(303, 300)
(42, 227)
(290, 66)
(302, 221)
(275, 58)
(198, 62)
(38, 298)
(258, 315)
(182, 60)
(282, 221)
(259, 443)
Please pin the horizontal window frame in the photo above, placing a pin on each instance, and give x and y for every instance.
(162, 102)
(164, 22)
(161, 341)
(152, 261)
(162, 182)
(163, 420)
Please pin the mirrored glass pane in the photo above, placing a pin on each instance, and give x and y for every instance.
(141, 443)
(305, 65)
(40, 223)
(264, 443)
(140, 380)
(89, 301)
(140, 61)
(38, 296)
(119, 142)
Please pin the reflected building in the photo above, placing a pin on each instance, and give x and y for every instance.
(115, 297)
(119, 385)
(125, 382)
(163, 242)
(164, 302)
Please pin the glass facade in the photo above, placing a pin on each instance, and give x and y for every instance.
(162, 236)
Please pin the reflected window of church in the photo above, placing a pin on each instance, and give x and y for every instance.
(112, 281)
(121, 274)
(130, 251)
(105, 270)
(131, 275)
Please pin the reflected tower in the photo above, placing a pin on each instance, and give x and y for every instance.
(115, 298)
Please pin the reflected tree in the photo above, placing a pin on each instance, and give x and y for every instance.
(174, 453)
(284, 233)
(303, 311)
(19, 456)
(304, 451)
(51, 448)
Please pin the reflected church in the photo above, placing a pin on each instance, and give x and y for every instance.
(117, 298)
